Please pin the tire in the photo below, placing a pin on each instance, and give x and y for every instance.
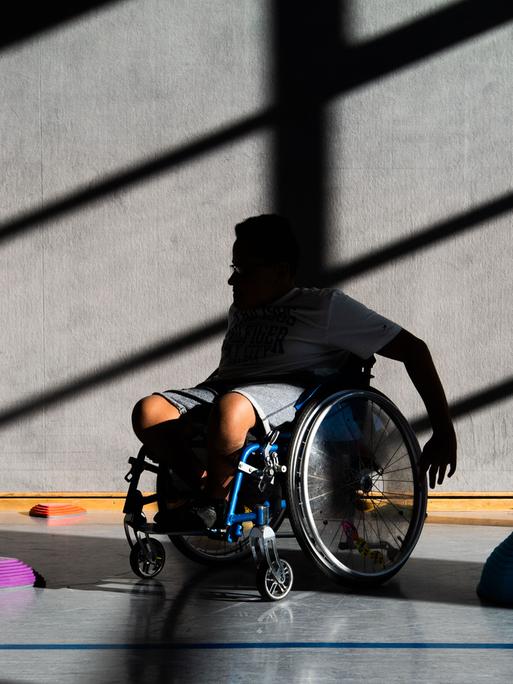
(147, 558)
(356, 502)
(268, 587)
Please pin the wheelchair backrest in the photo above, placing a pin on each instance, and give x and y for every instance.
(355, 374)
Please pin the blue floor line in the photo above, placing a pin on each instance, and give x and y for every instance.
(258, 645)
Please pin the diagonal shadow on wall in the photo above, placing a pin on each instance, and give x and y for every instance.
(463, 406)
(389, 53)
(160, 350)
(400, 42)
(444, 230)
(445, 28)
(112, 371)
(306, 37)
(124, 179)
(472, 403)
(26, 19)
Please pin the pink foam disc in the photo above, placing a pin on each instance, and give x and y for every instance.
(15, 573)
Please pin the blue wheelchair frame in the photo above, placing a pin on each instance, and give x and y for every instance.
(147, 555)
(259, 517)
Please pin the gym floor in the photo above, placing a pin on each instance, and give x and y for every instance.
(95, 621)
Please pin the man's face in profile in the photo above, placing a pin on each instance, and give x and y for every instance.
(256, 283)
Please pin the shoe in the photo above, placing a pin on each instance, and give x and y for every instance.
(198, 516)
(212, 512)
(167, 521)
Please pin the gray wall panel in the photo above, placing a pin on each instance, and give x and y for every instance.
(97, 285)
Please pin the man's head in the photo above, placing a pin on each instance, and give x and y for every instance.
(265, 260)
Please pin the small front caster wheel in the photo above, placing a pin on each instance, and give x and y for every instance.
(147, 558)
(267, 584)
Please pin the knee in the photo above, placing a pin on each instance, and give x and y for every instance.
(230, 420)
(151, 411)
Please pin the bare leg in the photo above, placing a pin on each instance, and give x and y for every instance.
(231, 418)
(159, 426)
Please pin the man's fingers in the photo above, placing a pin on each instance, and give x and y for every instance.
(441, 473)
(436, 459)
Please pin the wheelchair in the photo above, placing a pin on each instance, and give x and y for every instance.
(344, 471)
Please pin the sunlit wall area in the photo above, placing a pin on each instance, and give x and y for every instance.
(136, 134)
(134, 93)
(410, 152)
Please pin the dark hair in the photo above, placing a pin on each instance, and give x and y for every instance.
(271, 238)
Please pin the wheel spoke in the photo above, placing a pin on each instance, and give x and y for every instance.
(378, 514)
(398, 470)
(396, 463)
(319, 496)
(383, 431)
(399, 510)
(390, 460)
(338, 532)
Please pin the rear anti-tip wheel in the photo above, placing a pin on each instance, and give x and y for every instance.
(147, 558)
(269, 587)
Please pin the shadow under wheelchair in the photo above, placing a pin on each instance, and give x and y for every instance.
(94, 563)
(421, 579)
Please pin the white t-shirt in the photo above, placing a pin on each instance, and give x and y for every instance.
(306, 329)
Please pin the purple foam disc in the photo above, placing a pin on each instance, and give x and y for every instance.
(15, 573)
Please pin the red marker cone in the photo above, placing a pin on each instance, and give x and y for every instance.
(47, 510)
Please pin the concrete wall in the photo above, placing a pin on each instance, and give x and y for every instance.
(145, 264)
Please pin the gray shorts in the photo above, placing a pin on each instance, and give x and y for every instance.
(273, 402)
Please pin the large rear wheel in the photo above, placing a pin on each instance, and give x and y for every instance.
(357, 504)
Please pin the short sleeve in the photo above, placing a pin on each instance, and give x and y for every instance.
(357, 329)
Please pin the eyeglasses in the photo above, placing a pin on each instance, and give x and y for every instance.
(245, 270)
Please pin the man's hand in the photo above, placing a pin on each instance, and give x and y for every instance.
(438, 454)
(440, 451)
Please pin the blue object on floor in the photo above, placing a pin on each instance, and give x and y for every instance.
(496, 583)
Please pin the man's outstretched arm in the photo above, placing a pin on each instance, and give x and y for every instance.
(439, 452)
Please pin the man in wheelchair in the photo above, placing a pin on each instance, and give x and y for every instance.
(280, 340)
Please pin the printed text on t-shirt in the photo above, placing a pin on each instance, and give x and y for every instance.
(256, 334)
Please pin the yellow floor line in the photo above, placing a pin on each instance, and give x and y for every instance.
(464, 508)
